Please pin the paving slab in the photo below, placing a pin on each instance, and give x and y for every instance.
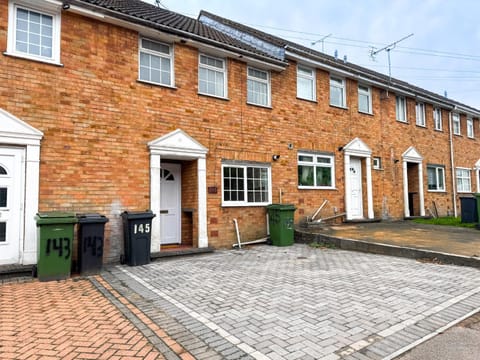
(293, 302)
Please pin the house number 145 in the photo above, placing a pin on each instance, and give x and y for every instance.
(141, 228)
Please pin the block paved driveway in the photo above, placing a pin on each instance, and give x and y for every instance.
(267, 302)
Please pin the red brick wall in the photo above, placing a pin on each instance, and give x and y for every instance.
(97, 120)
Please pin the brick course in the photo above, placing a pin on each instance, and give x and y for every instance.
(97, 120)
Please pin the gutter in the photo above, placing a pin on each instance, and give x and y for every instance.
(77, 6)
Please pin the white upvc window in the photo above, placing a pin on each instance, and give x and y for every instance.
(436, 177)
(212, 76)
(470, 132)
(258, 87)
(245, 184)
(456, 123)
(34, 31)
(420, 114)
(337, 92)
(364, 99)
(464, 183)
(155, 62)
(437, 118)
(401, 108)
(306, 87)
(316, 171)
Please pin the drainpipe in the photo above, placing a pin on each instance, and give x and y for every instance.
(452, 163)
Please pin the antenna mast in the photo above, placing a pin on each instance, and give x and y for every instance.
(388, 48)
(322, 40)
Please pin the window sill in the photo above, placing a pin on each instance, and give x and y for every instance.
(339, 107)
(214, 96)
(438, 130)
(365, 113)
(421, 126)
(464, 192)
(460, 135)
(268, 107)
(471, 137)
(316, 188)
(309, 100)
(156, 84)
(403, 122)
(32, 58)
(245, 205)
(437, 191)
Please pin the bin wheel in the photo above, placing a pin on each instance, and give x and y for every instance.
(122, 259)
(34, 271)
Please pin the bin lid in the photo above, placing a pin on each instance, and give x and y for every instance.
(92, 218)
(133, 215)
(281, 207)
(55, 217)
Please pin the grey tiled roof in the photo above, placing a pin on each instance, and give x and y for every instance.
(140, 12)
(333, 62)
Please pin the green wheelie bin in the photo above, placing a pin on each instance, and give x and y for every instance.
(54, 245)
(280, 222)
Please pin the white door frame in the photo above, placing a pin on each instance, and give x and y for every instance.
(412, 156)
(356, 161)
(477, 175)
(357, 148)
(14, 132)
(178, 145)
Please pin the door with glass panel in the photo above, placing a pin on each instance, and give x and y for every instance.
(11, 200)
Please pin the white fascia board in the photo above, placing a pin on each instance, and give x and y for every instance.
(365, 80)
(165, 36)
(464, 110)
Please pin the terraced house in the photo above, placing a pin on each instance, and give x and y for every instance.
(108, 106)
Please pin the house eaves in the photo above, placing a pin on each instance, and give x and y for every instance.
(137, 12)
(304, 54)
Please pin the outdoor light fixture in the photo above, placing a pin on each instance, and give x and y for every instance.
(275, 157)
(65, 6)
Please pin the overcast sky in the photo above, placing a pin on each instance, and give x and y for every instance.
(442, 55)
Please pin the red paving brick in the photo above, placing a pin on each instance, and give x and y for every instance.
(67, 319)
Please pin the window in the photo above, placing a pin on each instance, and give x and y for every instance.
(456, 123)
(401, 108)
(316, 171)
(306, 83)
(155, 62)
(246, 185)
(420, 114)
(436, 177)
(34, 33)
(437, 118)
(337, 92)
(364, 99)
(470, 133)
(212, 76)
(258, 87)
(463, 180)
(377, 163)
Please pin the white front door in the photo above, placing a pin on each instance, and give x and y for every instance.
(170, 204)
(11, 199)
(356, 198)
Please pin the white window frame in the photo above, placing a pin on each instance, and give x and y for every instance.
(377, 163)
(160, 55)
(401, 108)
(470, 131)
(338, 83)
(302, 75)
(214, 69)
(364, 90)
(245, 166)
(420, 114)
(465, 177)
(439, 178)
(314, 163)
(266, 82)
(41, 7)
(456, 124)
(437, 119)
